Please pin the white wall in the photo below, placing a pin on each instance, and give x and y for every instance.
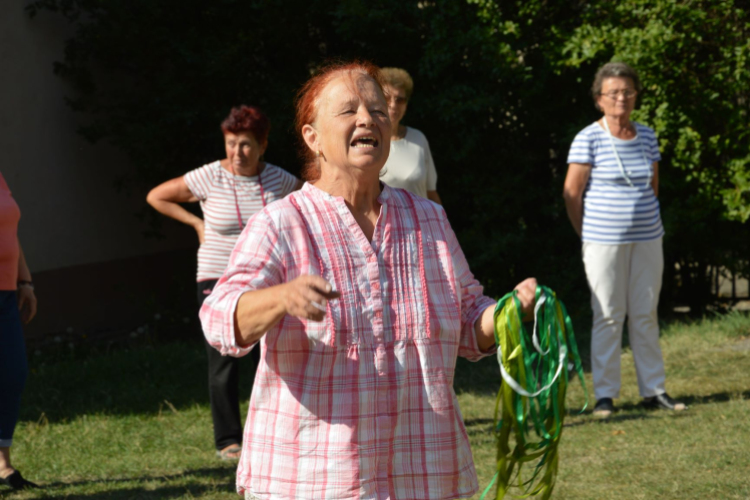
(71, 213)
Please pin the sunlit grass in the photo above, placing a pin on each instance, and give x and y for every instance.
(134, 424)
(701, 453)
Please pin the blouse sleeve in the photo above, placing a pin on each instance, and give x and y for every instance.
(199, 181)
(255, 263)
(473, 300)
(581, 151)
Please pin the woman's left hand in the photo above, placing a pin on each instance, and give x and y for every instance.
(527, 296)
(26, 303)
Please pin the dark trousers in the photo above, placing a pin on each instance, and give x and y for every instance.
(13, 365)
(223, 385)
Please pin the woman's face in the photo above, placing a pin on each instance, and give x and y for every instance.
(243, 151)
(397, 103)
(351, 128)
(617, 97)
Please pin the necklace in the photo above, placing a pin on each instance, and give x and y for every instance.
(236, 200)
(619, 161)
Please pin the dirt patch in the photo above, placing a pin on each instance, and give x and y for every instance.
(742, 345)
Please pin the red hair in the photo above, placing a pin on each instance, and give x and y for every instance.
(307, 104)
(247, 119)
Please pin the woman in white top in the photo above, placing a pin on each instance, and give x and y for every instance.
(409, 164)
(230, 191)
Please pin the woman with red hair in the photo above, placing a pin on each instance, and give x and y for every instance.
(361, 300)
(230, 191)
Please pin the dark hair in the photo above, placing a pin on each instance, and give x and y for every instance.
(613, 69)
(247, 119)
(307, 104)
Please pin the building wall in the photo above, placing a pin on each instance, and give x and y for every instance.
(75, 227)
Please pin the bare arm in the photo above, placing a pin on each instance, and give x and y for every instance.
(23, 269)
(655, 179)
(434, 196)
(26, 296)
(575, 185)
(166, 199)
(258, 311)
(484, 328)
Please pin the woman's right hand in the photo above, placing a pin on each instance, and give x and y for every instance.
(527, 297)
(200, 228)
(306, 297)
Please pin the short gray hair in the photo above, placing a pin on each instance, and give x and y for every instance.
(614, 69)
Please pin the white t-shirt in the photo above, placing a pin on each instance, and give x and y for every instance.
(410, 164)
(215, 188)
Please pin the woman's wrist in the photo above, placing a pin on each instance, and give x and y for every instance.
(25, 283)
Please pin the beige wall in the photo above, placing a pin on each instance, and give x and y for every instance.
(94, 269)
(71, 214)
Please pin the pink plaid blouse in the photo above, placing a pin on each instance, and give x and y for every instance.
(360, 405)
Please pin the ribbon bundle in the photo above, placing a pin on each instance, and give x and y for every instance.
(531, 403)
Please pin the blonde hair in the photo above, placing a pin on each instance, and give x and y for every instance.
(400, 78)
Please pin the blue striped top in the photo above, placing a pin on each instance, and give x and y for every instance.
(614, 212)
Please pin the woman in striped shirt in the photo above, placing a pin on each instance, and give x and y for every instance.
(611, 194)
(230, 191)
(361, 299)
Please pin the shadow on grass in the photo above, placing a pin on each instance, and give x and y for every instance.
(221, 478)
(124, 382)
(205, 472)
(194, 491)
(625, 412)
(588, 419)
(471, 422)
(618, 418)
(720, 397)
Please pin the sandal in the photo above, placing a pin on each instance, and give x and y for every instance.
(17, 481)
(231, 453)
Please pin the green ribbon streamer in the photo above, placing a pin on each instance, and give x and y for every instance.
(530, 404)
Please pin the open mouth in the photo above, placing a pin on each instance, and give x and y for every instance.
(368, 142)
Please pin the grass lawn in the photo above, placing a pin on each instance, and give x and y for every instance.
(134, 423)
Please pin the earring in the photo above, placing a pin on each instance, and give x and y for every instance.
(318, 154)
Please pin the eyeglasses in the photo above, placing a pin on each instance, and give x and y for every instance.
(627, 94)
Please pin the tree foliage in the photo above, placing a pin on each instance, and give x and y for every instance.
(501, 89)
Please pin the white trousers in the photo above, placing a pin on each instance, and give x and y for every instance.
(625, 280)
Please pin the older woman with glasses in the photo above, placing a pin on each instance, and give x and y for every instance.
(361, 300)
(611, 194)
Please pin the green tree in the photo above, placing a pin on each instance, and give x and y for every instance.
(501, 89)
(693, 59)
